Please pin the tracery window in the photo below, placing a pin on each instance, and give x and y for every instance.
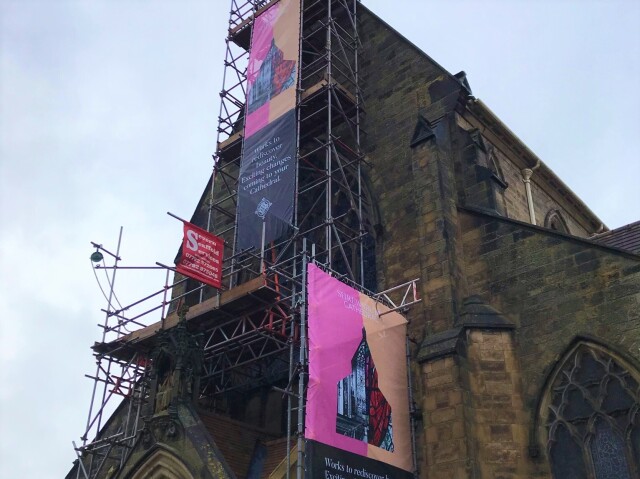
(594, 419)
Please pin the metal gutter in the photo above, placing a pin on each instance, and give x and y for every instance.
(533, 160)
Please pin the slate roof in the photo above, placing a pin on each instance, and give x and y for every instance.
(236, 441)
(626, 237)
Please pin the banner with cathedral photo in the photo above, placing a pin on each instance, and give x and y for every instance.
(266, 183)
(358, 397)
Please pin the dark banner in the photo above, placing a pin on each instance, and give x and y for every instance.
(328, 462)
(266, 182)
(267, 169)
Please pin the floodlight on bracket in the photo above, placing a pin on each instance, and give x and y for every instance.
(97, 255)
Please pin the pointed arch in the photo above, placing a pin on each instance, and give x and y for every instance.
(493, 163)
(555, 221)
(587, 418)
(374, 235)
(161, 463)
(352, 234)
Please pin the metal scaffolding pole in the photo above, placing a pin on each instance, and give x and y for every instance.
(302, 366)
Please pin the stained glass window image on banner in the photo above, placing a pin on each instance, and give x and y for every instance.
(363, 411)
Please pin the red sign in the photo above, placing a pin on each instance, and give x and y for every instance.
(201, 256)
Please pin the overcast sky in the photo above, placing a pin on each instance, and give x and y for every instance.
(108, 115)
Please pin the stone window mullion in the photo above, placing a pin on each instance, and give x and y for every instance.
(594, 403)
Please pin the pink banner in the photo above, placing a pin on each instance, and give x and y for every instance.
(357, 398)
(272, 73)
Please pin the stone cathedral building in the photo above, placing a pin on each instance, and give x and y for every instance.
(525, 348)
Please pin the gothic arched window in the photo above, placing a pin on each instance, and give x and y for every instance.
(556, 222)
(594, 418)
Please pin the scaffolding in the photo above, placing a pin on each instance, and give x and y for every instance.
(268, 344)
(330, 200)
(254, 328)
(123, 376)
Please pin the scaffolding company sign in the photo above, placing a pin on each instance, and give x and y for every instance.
(357, 412)
(201, 256)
